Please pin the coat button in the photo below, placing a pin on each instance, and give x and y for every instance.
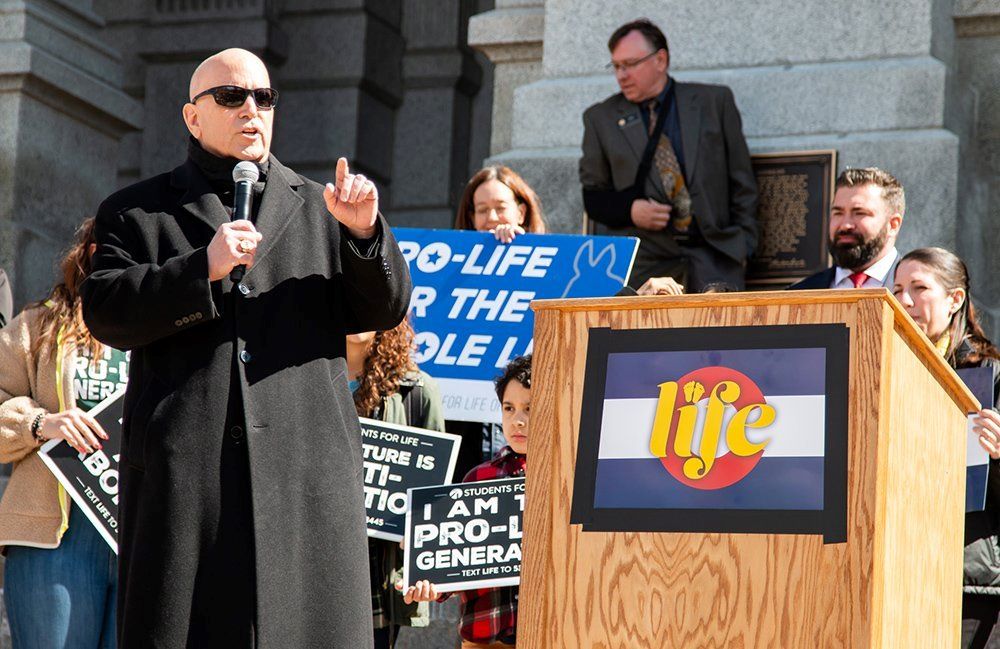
(236, 432)
(245, 356)
(244, 289)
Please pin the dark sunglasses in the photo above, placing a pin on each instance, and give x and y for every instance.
(234, 96)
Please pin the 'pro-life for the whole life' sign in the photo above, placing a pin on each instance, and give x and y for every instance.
(396, 458)
(466, 535)
(471, 296)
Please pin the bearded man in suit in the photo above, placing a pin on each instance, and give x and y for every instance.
(865, 218)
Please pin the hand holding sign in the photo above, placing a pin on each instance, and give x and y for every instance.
(353, 201)
(987, 426)
(80, 430)
(505, 232)
(90, 477)
(422, 591)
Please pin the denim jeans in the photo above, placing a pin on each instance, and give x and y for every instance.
(63, 598)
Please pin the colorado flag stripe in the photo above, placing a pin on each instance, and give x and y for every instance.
(787, 475)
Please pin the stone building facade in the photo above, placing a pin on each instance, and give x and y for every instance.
(91, 94)
(909, 85)
(417, 93)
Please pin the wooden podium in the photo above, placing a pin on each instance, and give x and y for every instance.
(895, 582)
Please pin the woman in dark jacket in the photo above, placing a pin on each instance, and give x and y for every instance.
(932, 284)
(387, 385)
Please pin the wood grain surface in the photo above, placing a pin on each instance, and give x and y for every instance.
(893, 581)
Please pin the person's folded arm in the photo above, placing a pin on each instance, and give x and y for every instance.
(129, 301)
(602, 202)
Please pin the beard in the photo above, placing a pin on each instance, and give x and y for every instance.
(860, 253)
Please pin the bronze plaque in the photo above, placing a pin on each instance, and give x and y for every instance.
(793, 212)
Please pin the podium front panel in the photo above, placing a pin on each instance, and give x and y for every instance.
(702, 588)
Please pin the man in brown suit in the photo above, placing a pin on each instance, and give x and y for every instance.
(667, 162)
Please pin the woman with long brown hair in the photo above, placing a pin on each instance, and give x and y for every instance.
(932, 285)
(59, 575)
(496, 199)
(388, 386)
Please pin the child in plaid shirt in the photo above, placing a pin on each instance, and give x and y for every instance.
(489, 615)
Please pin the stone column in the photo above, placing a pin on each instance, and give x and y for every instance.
(433, 131)
(340, 86)
(62, 115)
(511, 37)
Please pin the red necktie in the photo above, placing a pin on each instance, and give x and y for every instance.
(858, 279)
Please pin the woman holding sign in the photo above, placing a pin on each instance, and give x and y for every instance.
(932, 285)
(499, 201)
(60, 575)
(388, 386)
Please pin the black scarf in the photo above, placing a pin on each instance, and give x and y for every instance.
(219, 172)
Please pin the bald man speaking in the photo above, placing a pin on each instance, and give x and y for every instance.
(241, 493)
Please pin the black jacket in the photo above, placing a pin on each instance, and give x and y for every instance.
(286, 324)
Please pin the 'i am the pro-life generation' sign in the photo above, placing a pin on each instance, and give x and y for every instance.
(471, 294)
(92, 480)
(396, 458)
(465, 536)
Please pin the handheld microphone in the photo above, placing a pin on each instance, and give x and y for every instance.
(245, 174)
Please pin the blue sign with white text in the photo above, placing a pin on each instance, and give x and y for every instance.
(471, 295)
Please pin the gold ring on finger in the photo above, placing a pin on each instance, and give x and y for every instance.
(246, 245)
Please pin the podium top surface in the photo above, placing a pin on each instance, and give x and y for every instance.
(920, 344)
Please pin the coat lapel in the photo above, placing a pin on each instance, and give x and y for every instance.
(279, 206)
(689, 113)
(890, 278)
(629, 122)
(199, 199)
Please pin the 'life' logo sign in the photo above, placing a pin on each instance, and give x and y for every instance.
(708, 447)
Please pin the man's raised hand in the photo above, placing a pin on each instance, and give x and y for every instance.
(353, 201)
(234, 244)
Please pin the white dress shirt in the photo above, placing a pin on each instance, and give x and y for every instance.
(876, 273)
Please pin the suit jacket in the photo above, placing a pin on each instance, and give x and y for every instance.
(286, 324)
(824, 278)
(717, 168)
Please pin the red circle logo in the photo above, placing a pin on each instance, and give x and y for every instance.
(728, 468)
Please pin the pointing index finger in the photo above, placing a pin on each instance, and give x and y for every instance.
(341, 170)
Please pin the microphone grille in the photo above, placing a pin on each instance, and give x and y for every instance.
(245, 170)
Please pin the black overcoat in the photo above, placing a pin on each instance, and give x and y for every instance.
(278, 340)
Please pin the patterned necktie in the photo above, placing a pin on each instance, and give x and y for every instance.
(858, 279)
(671, 176)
